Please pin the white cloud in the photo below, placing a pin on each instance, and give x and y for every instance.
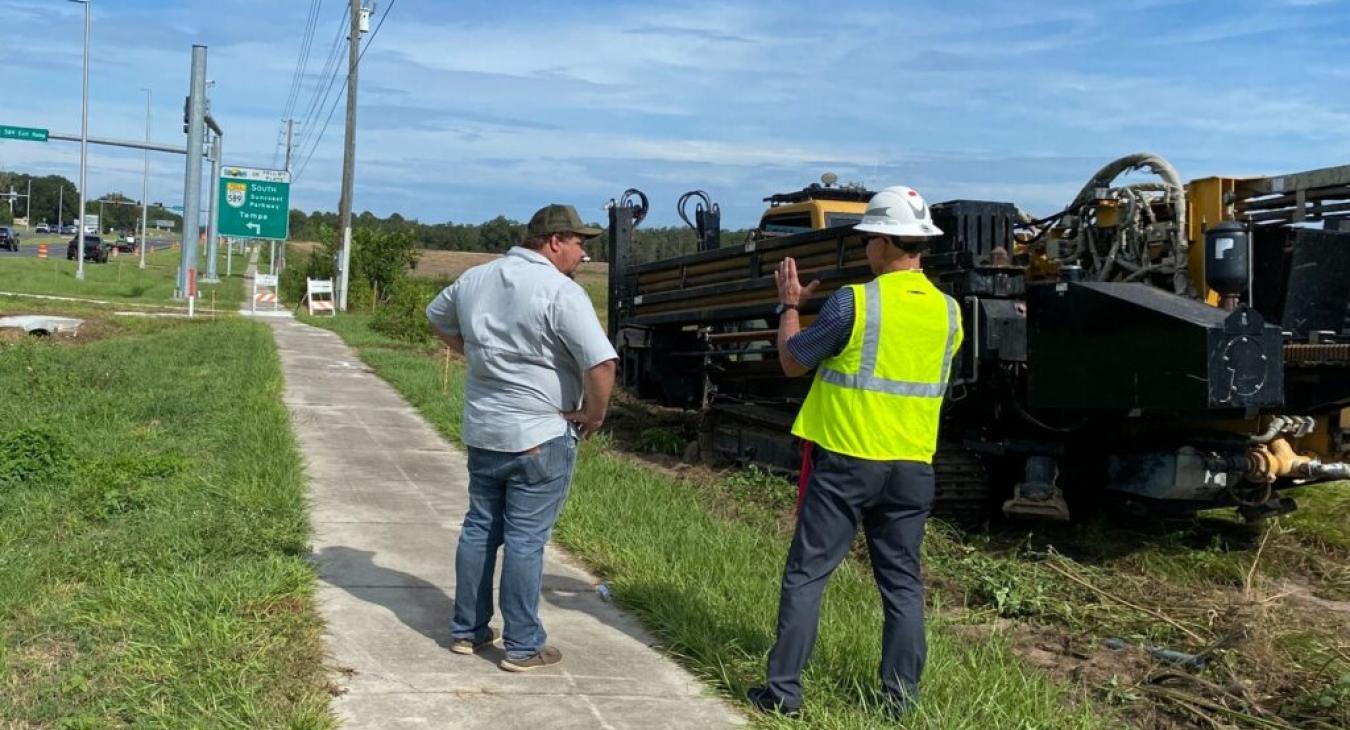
(474, 110)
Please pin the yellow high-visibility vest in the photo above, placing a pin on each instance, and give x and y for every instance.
(881, 398)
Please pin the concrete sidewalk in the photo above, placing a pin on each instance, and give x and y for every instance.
(388, 495)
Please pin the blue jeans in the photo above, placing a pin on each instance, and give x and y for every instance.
(514, 499)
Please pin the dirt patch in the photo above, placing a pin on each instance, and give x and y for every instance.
(92, 329)
(1231, 646)
(1090, 669)
(450, 264)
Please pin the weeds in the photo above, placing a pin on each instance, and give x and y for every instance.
(34, 456)
(661, 441)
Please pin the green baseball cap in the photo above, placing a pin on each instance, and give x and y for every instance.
(559, 218)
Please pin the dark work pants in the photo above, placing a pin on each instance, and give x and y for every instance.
(891, 499)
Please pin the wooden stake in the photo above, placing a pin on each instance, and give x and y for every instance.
(445, 375)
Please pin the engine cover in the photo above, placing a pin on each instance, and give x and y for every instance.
(1133, 347)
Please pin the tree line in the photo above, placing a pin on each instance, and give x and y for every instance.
(57, 200)
(123, 213)
(496, 235)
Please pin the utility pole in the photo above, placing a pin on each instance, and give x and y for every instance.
(192, 187)
(145, 183)
(359, 21)
(290, 129)
(290, 135)
(28, 206)
(60, 201)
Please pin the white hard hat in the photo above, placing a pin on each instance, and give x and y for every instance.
(898, 211)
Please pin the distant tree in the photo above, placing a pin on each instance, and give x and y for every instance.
(46, 196)
(381, 258)
(499, 234)
(299, 225)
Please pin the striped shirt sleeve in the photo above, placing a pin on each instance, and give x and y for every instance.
(829, 334)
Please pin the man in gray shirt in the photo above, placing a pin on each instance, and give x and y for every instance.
(540, 374)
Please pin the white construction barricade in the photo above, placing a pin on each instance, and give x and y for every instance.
(319, 296)
(265, 291)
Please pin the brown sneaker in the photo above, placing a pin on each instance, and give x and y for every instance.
(469, 646)
(548, 656)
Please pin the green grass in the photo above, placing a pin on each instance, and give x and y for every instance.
(153, 534)
(121, 279)
(705, 580)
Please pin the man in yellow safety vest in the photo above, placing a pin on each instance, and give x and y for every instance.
(882, 352)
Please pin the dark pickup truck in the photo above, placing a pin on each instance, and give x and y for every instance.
(9, 239)
(93, 249)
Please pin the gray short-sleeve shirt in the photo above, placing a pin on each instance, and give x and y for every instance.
(530, 332)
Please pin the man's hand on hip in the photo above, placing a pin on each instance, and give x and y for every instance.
(587, 423)
(597, 383)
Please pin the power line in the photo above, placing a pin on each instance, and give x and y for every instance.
(302, 62)
(301, 65)
(339, 97)
(326, 79)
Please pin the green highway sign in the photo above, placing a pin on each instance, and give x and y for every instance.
(254, 203)
(31, 134)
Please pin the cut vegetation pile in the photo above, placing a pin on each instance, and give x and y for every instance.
(1194, 624)
(153, 533)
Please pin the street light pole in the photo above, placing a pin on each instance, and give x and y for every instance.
(84, 147)
(145, 181)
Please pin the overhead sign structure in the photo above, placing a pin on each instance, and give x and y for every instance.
(30, 134)
(254, 203)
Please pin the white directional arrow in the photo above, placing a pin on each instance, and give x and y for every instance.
(257, 227)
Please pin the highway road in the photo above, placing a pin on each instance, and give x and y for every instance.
(56, 247)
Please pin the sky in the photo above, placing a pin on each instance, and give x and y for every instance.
(468, 110)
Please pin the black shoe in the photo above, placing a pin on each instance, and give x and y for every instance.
(766, 701)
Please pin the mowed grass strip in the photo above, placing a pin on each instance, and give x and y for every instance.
(153, 535)
(706, 583)
(120, 279)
